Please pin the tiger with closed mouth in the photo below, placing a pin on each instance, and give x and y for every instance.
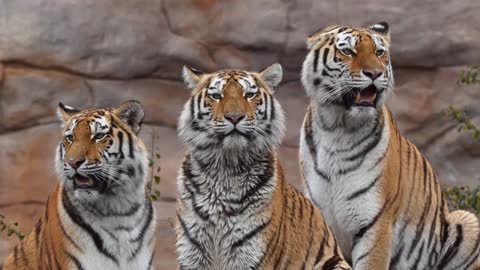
(376, 190)
(99, 216)
(235, 210)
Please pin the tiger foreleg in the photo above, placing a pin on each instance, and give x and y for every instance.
(372, 246)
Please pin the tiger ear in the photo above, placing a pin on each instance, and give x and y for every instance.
(131, 112)
(64, 112)
(272, 75)
(381, 28)
(191, 76)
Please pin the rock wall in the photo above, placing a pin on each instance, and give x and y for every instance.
(95, 53)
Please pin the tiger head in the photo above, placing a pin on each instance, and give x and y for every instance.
(100, 153)
(232, 109)
(349, 68)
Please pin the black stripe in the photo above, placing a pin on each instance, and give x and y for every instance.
(78, 220)
(419, 256)
(363, 190)
(130, 145)
(374, 131)
(272, 108)
(75, 260)
(471, 255)
(374, 142)
(284, 231)
(396, 258)
(66, 234)
(433, 226)
(267, 103)
(271, 249)
(250, 235)
(324, 242)
(150, 262)
(188, 236)
(146, 225)
(433, 256)
(38, 230)
(331, 263)
(315, 60)
(453, 249)
(120, 144)
(365, 228)
(311, 145)
(53, 253)
(46, 210)
(425, 211)
(325, 54)
(311, 231)
(199, 101)
(264, 179)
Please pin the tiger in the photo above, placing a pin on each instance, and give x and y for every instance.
(374, 187)
(99, 215)
(235, 209)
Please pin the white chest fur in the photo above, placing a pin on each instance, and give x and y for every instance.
(339, 177)
(112, 242)
(218, 229)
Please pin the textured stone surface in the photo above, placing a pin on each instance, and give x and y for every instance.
(105, 38)
(103, 52)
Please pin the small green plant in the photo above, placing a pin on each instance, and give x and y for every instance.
(10, 227)
(464, 122)
(467, 76)
(470, 76)
(154, 164)
(464, 198)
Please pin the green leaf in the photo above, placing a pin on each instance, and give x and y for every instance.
(157, 179)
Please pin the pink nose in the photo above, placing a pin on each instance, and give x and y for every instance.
(75, 162)
(234, 117)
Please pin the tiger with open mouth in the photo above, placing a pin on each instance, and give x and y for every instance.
(376, 190)
(99, 216)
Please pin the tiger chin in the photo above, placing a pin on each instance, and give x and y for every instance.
(376, 190)
(98, 216)
(235, 210)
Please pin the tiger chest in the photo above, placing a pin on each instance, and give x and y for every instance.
(347, 201)
(227, 244)
(116, 254)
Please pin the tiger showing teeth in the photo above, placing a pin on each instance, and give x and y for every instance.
(376, 190)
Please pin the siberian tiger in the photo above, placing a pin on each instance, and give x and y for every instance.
(377, 192)
(235, 209)
(99, 216)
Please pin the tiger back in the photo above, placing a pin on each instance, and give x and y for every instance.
(235, 210)
(376, 190)
(98, 216)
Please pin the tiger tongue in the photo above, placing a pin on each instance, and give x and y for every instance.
(83, 180)
(366, 96)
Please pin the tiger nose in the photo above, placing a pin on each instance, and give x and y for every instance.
(75, 162)
(234, 117)
(372, 73)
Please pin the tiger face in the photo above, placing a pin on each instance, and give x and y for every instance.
(232, 109)
(349, 68)
(100, 153)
